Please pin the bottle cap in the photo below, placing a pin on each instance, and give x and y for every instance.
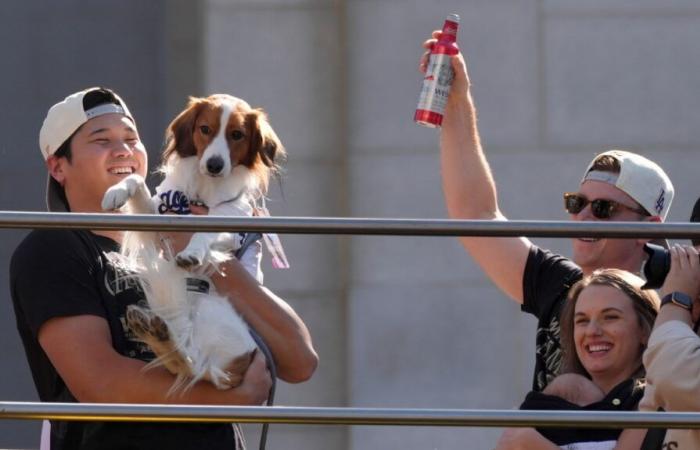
(453, 17)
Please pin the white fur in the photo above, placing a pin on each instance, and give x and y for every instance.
(207, 332)
(205, 328)
(216, 193)
(218, 147)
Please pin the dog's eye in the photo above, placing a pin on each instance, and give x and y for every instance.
(237, 135)
(205, 130)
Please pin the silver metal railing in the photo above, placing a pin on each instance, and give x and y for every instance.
(354, 226)
(347, 416)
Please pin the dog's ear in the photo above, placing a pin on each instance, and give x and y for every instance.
(178, 137)
(263, 139)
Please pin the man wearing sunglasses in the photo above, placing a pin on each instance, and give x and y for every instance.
(617, 185)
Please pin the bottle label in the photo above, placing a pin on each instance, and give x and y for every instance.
(436, 84)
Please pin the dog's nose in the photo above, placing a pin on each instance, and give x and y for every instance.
(215, 164)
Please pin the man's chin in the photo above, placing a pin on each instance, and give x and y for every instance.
(585, 253)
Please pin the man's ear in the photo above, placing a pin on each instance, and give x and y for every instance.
(55, 167)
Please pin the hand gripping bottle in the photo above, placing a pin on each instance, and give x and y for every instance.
(438, 76)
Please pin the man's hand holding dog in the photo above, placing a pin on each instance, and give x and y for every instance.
(256, 383)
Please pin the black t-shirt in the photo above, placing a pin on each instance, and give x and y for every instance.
(61, 273)
(546, 282)
(623, 397)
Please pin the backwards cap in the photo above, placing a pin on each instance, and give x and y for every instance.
(640, 178)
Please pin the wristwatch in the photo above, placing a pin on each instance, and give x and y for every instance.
(678, 299)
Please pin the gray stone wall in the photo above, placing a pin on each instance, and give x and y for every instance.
(51, 49)
(288, 58)
(397, 321)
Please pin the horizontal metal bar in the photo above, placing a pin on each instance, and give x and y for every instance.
(347, 416)
(349, 226)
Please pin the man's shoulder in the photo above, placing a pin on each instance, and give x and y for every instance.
(546, 280)
(47, 240)
(41, 245)
(541, 259)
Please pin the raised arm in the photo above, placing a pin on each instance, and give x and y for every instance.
(469, 188)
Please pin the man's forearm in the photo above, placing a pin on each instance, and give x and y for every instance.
(131, 383)
(276, 322)
(673, 312)
(80, 348)
(469, 188)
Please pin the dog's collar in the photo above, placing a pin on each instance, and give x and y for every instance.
(197, 285)
(231, 200)
(236, 198)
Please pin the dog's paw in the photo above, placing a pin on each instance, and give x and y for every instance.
(235, 372)
(146, 324)
(117, 195)
(138, 320)
(189, 259)
(159, 329)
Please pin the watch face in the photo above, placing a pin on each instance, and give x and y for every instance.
(678, 299)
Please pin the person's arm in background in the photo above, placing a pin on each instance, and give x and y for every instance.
(531, 439)
(631, 439)
(672, 357)
(524, 439)
(469, 188)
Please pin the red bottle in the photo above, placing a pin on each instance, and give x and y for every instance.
(438, 76)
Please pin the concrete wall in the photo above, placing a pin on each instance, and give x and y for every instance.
(288, 57)
(51, 49)
(397, 321)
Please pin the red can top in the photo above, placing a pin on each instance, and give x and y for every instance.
(448, 40)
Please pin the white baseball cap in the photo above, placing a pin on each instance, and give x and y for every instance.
(640, 178)
(63, 119)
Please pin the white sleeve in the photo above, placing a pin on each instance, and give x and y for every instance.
(251, 260)
(672, 361)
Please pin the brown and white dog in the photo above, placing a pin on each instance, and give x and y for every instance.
(220, 153)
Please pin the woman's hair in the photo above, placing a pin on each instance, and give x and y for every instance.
(645, 302)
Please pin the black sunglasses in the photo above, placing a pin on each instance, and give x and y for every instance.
(600, 208)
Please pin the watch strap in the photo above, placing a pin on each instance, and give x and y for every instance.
(678, 299)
